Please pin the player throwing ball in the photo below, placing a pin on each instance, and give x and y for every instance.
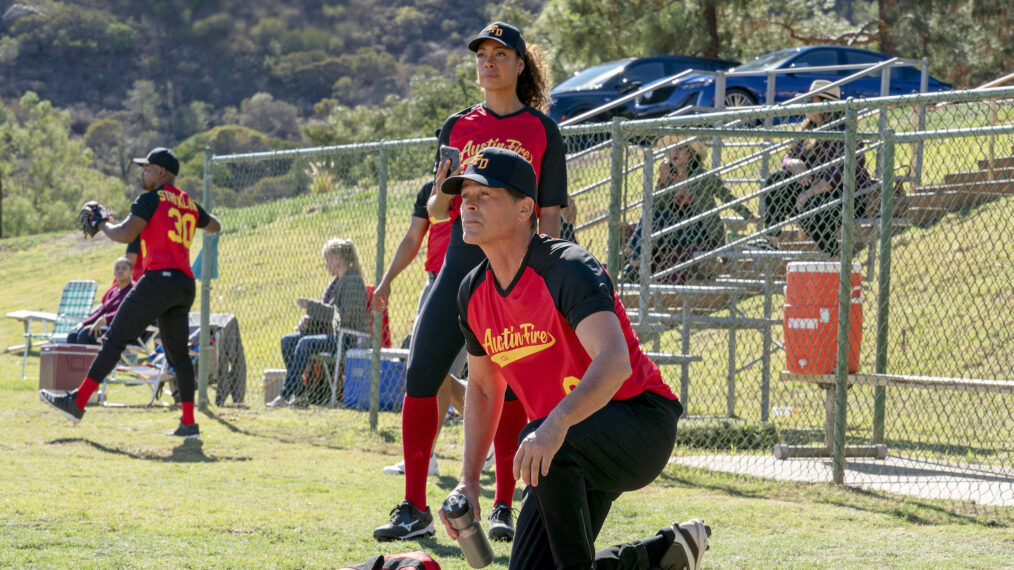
(166, 219)
(540, 315)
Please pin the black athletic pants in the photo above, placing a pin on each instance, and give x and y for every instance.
(165, 295)
(620, 448)
(437, 338)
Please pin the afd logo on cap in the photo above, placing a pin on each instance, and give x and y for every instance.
(481, 162)
(495, 30)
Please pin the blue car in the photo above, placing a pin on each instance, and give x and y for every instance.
(699, 89)
(605, 82)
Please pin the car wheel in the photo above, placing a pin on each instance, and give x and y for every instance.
(738, 98)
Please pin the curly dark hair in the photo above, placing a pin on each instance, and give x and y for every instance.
(533, 89)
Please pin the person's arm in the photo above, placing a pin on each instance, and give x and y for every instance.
(125, 231)
(439, 204)
(483, 403)
(403, 256)
(549, 221)
(602, 338)
(214, 226)
(723, 192)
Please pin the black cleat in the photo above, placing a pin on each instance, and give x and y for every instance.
(501, 523)
(187, 431)
(406, 522)
(690, 541)
(66, 403)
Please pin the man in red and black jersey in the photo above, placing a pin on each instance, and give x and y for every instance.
(166, 219)
(540, 315)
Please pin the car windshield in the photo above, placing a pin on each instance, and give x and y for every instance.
(773, 60)
(593, 77)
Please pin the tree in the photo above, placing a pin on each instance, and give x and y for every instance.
(145, 105)
(275, 118)
(47, 174)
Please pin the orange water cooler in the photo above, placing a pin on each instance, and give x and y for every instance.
(811, 317)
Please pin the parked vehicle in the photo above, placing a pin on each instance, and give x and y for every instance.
(603, 83)
(743, 90)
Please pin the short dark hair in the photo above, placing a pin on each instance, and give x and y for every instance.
(533, 221)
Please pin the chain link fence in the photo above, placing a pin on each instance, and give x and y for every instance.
(725, 236)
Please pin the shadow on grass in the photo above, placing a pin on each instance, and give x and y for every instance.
(443, 552)
(188, 451)
(913, 510)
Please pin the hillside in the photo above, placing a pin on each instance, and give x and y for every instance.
(355, 51)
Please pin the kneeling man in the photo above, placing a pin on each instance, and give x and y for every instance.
(540, 315)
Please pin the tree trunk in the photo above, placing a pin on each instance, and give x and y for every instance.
(711, 23)
(888, 12)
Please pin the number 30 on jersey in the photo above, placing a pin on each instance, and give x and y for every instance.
(186, 226)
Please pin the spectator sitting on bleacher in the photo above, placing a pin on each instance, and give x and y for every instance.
(685, 201)
(822, 186)
(96, 324)
(346, 294)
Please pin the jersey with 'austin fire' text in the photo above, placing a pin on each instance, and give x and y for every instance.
(527, 330)
(439, 231)
(173, 218)
(527, 132)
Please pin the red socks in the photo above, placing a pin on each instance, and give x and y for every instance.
(420, 419)
(188, 413)
(85, 391)
(505, 446)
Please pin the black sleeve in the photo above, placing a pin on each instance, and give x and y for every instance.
(202, 216)
(145, 205)
(419, 208)
(577, 281)
(468, 285)
(553, 172)
(135, 246)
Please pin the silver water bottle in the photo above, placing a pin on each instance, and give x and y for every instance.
(471, 539)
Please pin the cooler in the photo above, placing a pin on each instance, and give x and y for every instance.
(359, 372)
(811, 317)
(64, 366)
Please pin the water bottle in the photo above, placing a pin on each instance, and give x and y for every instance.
(471, 539)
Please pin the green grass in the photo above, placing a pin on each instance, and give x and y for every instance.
(301, 489)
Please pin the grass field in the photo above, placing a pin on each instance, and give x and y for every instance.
(298, 489)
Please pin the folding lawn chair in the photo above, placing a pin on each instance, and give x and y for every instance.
(75, 304)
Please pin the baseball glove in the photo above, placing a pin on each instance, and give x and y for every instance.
(92, 214)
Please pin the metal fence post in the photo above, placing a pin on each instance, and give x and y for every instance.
(844, 294)
(647, 227)
(203, 361)
(884, 281)
(923, 87)
(615, 199)
(378, 317)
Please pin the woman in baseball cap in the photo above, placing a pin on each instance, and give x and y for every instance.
(512, 74)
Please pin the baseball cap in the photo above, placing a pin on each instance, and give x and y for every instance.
(497, 168)
(506, 34)
(163, 157)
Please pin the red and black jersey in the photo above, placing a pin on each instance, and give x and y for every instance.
(439, 230)
(173, 218)
(528, 328)
(527, 132)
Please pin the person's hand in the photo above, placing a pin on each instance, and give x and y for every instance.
(443, 173)
(471, 492)
(802, 198)
(96, 328)
(380, 296)
(304, 322)
(303, 303)
(794, 165)
(536, 452)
